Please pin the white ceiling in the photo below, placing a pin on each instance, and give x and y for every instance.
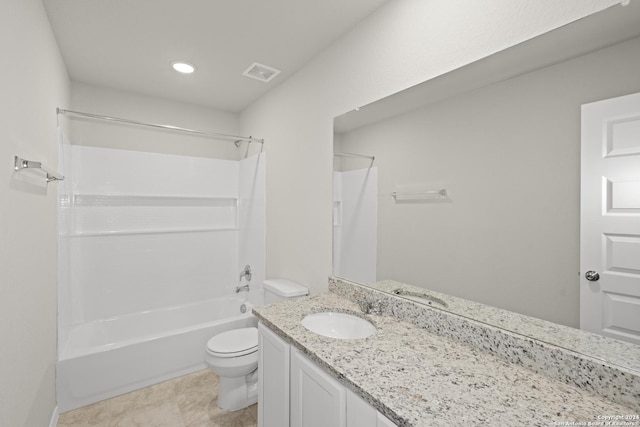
(129, 44)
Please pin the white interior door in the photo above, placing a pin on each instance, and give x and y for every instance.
(610, 218)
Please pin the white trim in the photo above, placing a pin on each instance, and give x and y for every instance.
(54, 417)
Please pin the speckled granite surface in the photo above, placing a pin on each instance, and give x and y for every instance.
(613, 382)
(596, 346)
(418, 378)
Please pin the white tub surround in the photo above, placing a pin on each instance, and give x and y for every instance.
(417, 377)
(150, 251)
(144, 231)
(355, 224)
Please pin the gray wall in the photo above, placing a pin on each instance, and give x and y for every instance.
(127, 105)
(403, 43)
(34, 83)
(509, 154)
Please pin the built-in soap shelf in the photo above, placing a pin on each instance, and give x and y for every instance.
(133, 200)
(88, 215)
(141, 232)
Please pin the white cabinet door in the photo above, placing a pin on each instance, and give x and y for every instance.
(610, 218)
(384, 421)
(317, 400)
(294, 391)
(359, 412)
(273, 379)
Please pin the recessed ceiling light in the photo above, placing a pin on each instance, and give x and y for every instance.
(183, 67)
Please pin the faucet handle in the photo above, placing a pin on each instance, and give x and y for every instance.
(379, 307)
(365, 306)
(246, 273)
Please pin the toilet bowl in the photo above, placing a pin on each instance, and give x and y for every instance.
(233, 355)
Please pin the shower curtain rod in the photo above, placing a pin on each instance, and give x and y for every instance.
(372, 158)
(362, 156)
(234, 138)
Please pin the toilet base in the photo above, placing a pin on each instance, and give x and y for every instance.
(239, 392)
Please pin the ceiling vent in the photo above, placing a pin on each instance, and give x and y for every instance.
(261, 72)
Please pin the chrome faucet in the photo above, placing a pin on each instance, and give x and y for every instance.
(365, 306)
(369, 307)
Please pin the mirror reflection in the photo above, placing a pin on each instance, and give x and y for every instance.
(469, 184)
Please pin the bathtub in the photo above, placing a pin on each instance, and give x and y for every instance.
(108, 357)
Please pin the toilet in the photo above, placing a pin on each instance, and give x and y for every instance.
(233, 355)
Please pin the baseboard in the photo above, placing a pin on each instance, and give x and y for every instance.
(54, 418)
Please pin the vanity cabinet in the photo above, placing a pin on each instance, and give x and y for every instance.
(317, 400)
(360, 413)
(294, 391)
(383, 421)
(273, 379)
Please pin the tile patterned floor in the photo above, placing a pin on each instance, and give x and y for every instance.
(188, 401)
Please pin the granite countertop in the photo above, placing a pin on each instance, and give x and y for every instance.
(417, 378)
(609, 350)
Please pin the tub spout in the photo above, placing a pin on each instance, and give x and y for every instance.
(244, 288)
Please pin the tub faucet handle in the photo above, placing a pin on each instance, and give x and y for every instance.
(246, 273)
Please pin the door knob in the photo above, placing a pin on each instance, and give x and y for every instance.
(592, 276)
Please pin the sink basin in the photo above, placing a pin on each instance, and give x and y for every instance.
(338, 325)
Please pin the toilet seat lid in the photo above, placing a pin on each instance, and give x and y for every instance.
(233, 343)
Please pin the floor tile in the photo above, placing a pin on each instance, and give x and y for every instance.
(253, 410)
(140, 399)
(203, 381)
(196, 406)
(164, 414)
(188, 401)
(94, 415)
(220, 418)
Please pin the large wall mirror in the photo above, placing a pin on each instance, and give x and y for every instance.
(469, 184)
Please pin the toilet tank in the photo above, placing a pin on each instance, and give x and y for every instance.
(281, 289)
